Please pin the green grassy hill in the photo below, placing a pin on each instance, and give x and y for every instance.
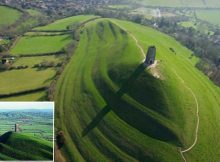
(8, 16)
(17, 146)
(111, 108)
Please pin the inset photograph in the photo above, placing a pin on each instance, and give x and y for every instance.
(26, 131)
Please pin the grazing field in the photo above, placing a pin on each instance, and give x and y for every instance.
(19, 146)
(36, 123)
(111, 108)
(39, 45)
(211, 16)
(63, 24)
(31, 61)
(178, 3)
(201, 27)
(8, 16)
(33, 12)
(37, 96)
(22, 80)
(188, 24)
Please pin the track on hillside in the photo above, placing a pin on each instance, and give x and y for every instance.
(100, 77)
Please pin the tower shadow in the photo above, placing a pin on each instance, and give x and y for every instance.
(98, 118)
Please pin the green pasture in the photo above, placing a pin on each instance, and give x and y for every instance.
(21, 80)
(63, 24)
(37, 96)
(31, 61)
(177, 3)
(8, 16)
(39, 45)
(211, 16)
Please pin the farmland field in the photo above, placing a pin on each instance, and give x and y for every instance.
(63, 24)
(201, 27)
(211, 16)
(36, 96)
(31, 61)
(111, 94)
(33, 123)
(8, 16)
(40, 44)
(22, 80)
(178, 3)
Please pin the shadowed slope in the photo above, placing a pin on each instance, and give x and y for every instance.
(22, 147)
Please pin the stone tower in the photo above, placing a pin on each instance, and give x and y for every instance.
(16, 127)
(151, 55)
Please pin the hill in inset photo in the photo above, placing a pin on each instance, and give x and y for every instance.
(26, 131)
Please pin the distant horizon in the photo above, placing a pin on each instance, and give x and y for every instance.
(26, 106)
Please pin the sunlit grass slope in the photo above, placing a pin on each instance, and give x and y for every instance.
(63, 24)
(16, 146)
(8, 16)
(40, 44)
(21, 80)
(111, 108)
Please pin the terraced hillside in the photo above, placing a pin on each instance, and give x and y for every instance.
(12, 147)
(38, 56)
(110, 107)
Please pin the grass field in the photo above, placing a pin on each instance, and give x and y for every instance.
(31, 61)
(188, 24)
(201, 27)
(17, 146)
(37, 96)
(63, 24)
(8, 16)
(179, 3)
(22, 80)
(211, 16)
(41, 44)
(34, 12)
(117, 110)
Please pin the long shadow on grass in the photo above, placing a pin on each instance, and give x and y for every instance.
(119, 94)
(131, 114)
(5, 137)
